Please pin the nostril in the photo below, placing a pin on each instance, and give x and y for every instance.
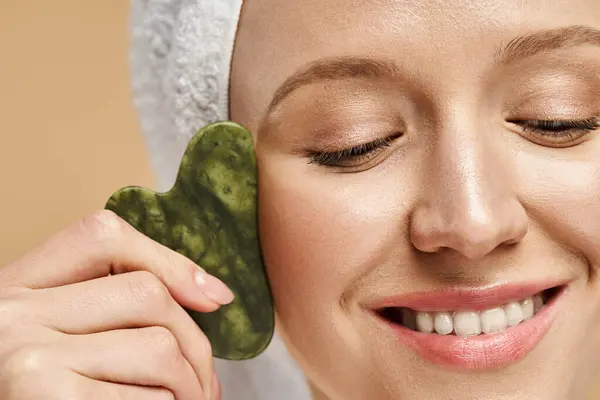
(471, 228)
(473, 240)
(475, 251)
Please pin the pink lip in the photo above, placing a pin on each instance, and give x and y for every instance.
(483, 351)
(467, 299)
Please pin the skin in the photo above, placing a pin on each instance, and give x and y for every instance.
(79, 333)
(462, 198)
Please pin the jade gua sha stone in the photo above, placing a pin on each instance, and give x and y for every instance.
(210, 216)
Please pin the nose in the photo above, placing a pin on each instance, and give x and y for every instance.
(467, 202)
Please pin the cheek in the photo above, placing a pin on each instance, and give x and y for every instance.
(564, 198)
(319, 234)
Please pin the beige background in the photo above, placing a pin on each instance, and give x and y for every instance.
(68, 134)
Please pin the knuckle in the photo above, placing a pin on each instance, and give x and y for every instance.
(205, 348)
(7, 311)
(103, 226)
(26, 361)
(166, 344)
(9, 314)
(149, 290)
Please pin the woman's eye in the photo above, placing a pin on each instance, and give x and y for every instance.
(353, 156)
(558, 133)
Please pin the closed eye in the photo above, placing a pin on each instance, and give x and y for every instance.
(559, 133)
(351, 155)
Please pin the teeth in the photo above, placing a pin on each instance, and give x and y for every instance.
(528, 309)
(493, 320)
(471, 323)
(424, 322)
(514, 313)
(443, 323)
(467, 323)
(538, 303)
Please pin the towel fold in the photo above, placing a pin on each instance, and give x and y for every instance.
(180, 62)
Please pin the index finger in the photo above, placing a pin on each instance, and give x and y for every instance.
(104, 244)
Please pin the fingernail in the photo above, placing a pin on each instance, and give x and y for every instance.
(214, 288)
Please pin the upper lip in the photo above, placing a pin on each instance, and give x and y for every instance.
(466, 298)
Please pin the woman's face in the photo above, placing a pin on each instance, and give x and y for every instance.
(460, 194)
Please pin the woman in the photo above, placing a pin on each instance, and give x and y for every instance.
(429, 174)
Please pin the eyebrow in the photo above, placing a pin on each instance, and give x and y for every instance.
(347, 67)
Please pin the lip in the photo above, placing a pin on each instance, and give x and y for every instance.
(483, 351)
(466, 299)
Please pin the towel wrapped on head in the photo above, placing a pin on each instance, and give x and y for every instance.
(181, 53)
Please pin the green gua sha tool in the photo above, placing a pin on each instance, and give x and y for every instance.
(210, 216)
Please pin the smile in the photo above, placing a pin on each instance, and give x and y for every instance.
(475, 328)
(470, 323)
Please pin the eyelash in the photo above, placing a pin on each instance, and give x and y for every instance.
(559, 129)
(361, 150)
(561, 132)
(554, 129)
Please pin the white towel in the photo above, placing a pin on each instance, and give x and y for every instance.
(180, 57)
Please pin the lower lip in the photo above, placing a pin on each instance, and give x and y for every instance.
(484, 351)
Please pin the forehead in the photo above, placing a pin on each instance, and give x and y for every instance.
(319, 23)
(438, 37)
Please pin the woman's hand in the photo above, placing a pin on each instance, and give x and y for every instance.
(94, 313)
